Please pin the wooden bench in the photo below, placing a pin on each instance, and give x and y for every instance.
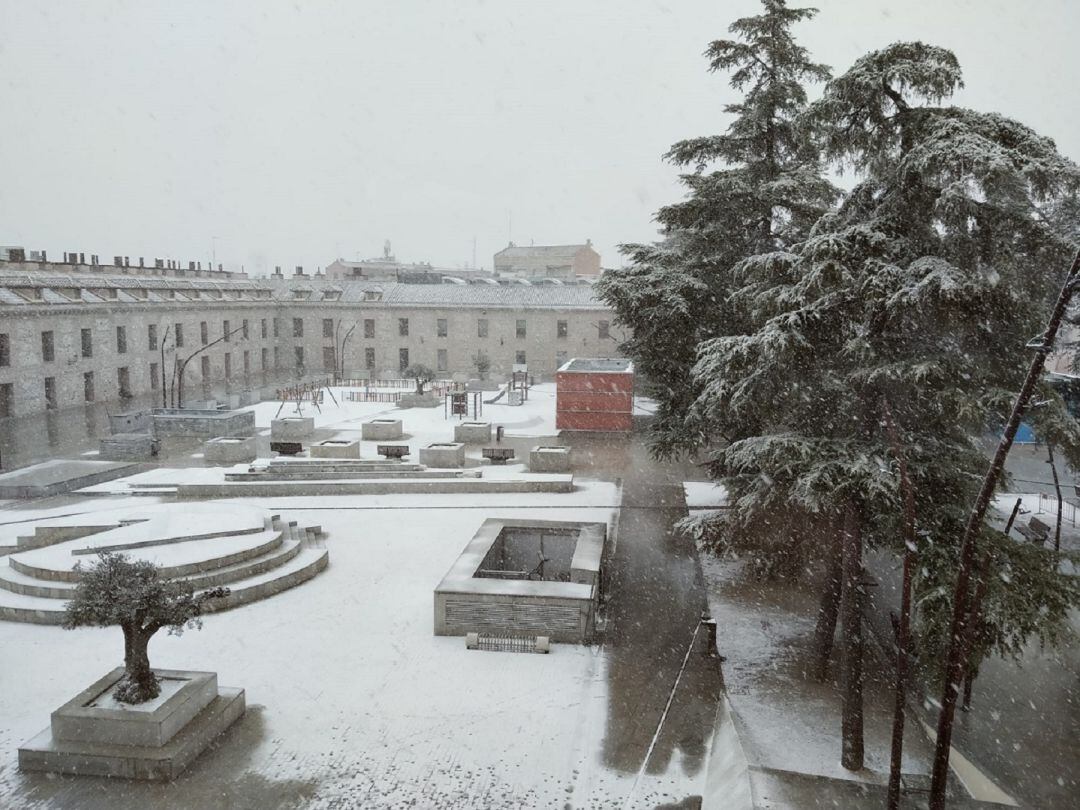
(397, 451)
(498, 455)
(1036, 531)
(286, 448)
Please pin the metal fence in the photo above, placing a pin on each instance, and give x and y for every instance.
(1048, 504)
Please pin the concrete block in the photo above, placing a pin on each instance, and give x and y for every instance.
(549, 459)
(230, 450)
(514, 398)
(128, 447)
(192, 422)
(131, 422)
(291, 428)
(379, 430)
(419, 401)
(472, 432)
(443, 454)
(335, 448)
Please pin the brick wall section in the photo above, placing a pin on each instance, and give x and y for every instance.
(594, 400)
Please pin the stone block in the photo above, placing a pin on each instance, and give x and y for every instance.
(443, 454)
(549, 459)
(419, 401)
(335, 448)
(379, 430)
(472, 432)
(230, 450)
(515, 398)
(291, 428)
(131, 422)
(128, 447)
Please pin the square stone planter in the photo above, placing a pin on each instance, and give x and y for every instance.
(381, 430)
(549, 459)
(445, 454)
(94, 735)
(291, 428)
(472, 432)
(335, 448)
(230, 450)
(419, 401)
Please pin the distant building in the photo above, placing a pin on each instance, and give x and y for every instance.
(388, 268)
(562, 262)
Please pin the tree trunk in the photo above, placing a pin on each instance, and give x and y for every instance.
(851, 724)
(139, 683)
(829, 609)
(1057, 488)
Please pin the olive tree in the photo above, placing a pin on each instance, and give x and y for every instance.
(422, 374)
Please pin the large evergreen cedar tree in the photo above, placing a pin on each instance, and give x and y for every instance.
(132, 594)
(765, 197)
(921, 290)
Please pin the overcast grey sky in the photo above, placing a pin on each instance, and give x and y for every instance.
(297, 131)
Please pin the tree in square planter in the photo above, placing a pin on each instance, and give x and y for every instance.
(133, 594)
(421, 374)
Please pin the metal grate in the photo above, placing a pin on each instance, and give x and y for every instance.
(501, 643)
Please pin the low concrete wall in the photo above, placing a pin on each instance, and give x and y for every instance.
(560, 483)
(131, 422)
(727, 780)
(202, 423)
(128, 447)
(419, 401)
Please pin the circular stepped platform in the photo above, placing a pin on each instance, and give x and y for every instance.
(252, 563)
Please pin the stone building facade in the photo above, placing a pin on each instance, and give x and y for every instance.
(562, 262)
(79, 338)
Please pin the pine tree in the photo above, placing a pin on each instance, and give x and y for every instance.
(766, 194)
(922, 290)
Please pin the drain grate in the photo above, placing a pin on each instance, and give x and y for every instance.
(500, 643)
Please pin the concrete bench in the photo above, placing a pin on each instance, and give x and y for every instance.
(286, 448)
(393, 450)
(1036, 531)
(498, 455)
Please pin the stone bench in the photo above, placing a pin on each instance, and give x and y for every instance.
(393, 450)
(380, 430)
(498, 455)
(286, 448)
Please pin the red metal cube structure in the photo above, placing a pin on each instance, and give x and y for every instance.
(595, 394)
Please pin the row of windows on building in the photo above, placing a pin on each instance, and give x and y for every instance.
(330, 330)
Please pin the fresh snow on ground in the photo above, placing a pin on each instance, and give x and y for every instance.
(704, 495)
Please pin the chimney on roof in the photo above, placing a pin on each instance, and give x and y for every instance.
(299, 270)
(82, 258)
(158, 263)
(219, 267)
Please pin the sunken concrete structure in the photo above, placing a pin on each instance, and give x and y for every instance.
(60, 475)
(128, 447)
(202, 423)
(291, 428)
(381, 430)
(425, 400)
(472, 432)
(443, 454)
(94, 735)
(549, 459)
(595, 394)
(335, 448)
(524, 577)
(222, 450)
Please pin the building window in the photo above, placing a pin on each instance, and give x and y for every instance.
(403, 359)
(247, 362)
(299, 359)
(328, 359)
(121, 340)
(48, 346)
(5, 348)
(520, 328)
(519, 358)
(87, 346)
(151, 337)
(7, 399)
(244, 329)
(277, 357)
(204, 333)
(262, 328)
(178, 335)
(277, 327)
(561, 330)
(440, 327)
(88, 386)
(204, 361)
(123, 383)
(297, 327)
(440, 360)
(50, 393)
(369, 328)
(228, 365)
(369, 358)
(225, 332)
(403, 327)
(265, 359)
(481, 327)
(328, 327)
(604, 328)
(154, 377)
